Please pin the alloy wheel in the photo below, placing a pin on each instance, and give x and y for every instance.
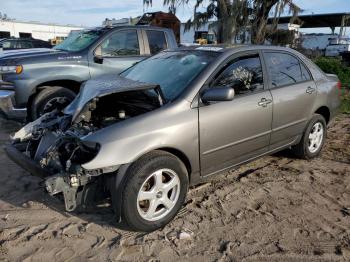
(316, 137)
(158, 194)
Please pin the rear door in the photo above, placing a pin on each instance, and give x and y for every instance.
(235, 131)
(293, 91)
(118, 51)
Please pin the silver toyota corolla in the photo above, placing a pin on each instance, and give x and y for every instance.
(172, 121)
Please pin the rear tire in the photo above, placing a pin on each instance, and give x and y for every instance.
(313, 138)
(155, 190)
(49, 99)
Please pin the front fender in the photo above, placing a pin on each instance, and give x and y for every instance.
(125, 142)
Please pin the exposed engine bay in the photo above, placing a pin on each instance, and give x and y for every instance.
(52, 146)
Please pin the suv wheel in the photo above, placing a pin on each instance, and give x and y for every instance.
(49, 99)
(155, 190)
(313, 138)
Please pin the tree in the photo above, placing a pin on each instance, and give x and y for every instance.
(171, 4)
(231, 17)
(146, 3)
(262, 9)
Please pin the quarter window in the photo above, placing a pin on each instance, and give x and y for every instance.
(285, 69)
(244, 75)
(156, 40)
(122, 43)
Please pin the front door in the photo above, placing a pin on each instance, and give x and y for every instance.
(294, 92)
(238, 130)
(117, 52)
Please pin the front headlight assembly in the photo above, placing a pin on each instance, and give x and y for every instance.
(11, 69)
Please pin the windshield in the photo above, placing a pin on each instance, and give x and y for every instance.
(173, 71)
(77, 41)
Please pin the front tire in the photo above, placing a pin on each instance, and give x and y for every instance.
(49, 99)
(313, 138)
(155, 190)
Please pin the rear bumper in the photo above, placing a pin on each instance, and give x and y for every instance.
(7, 107)
(25, 162)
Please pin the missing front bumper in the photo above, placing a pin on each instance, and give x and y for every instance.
(55, 183)
(14, 153)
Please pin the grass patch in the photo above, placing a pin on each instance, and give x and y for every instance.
(345, 104)
(331, 65)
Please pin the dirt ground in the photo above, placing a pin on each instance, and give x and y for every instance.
(277, 208)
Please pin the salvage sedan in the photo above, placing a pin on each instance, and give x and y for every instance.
(173, 120)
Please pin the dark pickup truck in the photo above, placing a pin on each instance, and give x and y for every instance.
(33, 82)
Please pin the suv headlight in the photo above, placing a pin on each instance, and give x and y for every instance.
(11, 69)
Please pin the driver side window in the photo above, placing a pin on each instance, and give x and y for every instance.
(122, 43)
(243, 74)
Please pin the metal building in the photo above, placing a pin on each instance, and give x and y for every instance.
(14, 28)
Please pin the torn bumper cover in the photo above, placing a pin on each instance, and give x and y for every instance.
(25, 162)
(54, 183)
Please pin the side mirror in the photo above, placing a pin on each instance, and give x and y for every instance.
(218, 94)
(98, 55)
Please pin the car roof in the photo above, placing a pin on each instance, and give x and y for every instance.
(113, 27)
(232, 48)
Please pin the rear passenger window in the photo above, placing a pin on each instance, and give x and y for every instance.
(244, 75)
(24, 44)
(156, 40)
(285, 69)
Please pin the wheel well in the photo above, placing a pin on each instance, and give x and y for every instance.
(181, 156)
(324, 111)
(69, 84)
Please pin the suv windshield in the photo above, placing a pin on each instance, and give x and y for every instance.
(173, 71)
(79, 40)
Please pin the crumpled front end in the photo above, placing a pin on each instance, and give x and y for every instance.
(53, 146)
(53, 150)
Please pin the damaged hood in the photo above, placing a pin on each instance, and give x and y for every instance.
(102, 86)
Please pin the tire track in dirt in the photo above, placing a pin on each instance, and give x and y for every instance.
(276, 208)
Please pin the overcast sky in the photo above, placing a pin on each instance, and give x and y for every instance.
(93, 12)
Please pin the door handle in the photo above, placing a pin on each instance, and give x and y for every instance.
(310, 90)
(264, 102)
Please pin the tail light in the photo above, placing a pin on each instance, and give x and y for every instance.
(339, 88)
(339, 85)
